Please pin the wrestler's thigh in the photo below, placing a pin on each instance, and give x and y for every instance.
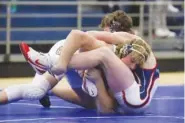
(118, 75)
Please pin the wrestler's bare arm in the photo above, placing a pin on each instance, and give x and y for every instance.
(104, 102)
(78, 39)
(112, 38)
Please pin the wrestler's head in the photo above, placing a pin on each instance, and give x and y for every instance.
(134, 52)
(117, 21)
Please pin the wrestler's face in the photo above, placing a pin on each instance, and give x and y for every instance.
(129, 62)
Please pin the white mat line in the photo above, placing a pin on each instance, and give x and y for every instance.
(155, 98)
(38, 105)
(103, 117)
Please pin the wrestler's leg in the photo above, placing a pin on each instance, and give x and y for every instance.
(74, 41)
(31, 91)
(35, 91)
(104, 103)
(116, 72)
(70, 90)
(118, 75)
(73, 95)
(3, 97)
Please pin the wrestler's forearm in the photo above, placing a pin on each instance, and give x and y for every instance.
(112, 38)
(104, 102)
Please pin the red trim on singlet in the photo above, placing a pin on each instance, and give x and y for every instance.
(148, 92)
(144, 103)
(84, 82)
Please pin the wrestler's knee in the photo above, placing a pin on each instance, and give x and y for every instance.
(37, 89)
(105, 53)
(59, 68)
(25, 91)
(79, 35)
(33, 92)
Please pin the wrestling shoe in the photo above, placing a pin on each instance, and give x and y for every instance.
(39, 61)
(45, 101)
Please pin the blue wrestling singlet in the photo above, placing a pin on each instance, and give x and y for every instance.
(74, 78)
(146, 78)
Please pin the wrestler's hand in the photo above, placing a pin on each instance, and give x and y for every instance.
(92, 74)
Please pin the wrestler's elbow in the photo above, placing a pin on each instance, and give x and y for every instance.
(77, 33)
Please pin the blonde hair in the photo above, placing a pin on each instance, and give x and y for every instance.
(137, 48)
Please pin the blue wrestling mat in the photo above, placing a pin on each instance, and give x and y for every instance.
(167, 107)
